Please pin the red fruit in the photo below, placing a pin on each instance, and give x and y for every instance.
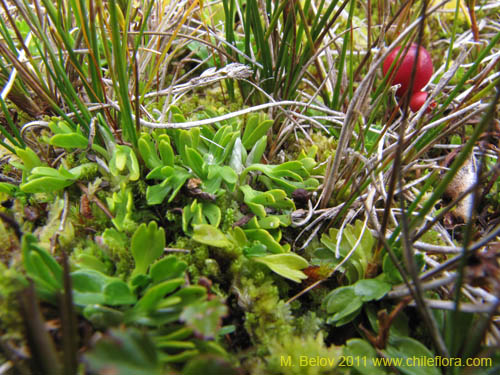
(402, 76)
(418, 99)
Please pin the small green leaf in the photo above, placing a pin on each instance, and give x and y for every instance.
(148, 243)
(124, 352)
(209, 235)
(148, 151)
(341, 303)
(195, 162)
(93, 287)
(263, 236)
(122, 205)
(358, 348)
(7, 188)
(174, 179)
(90, 261)
(156, 293)
(409, 349)
(204, 317)
(166, 151)
(167, 268)
(124, 156)
(29, 157)
(117, 292)
(200, 213)
(41, 266)
(102, 316)
(72, 140)
(286, 265)
(371, 289)
(191, 294)
(256, 152)
(238, 157)
(45, 185)
(254, 130)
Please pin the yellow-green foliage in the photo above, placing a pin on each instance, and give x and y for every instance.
(11, 282)
(302, 355)
(325, 147)
(267, 316)
(117, 247)
(8, 243)
(47, 232)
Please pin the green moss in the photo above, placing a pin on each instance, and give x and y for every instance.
(11, 283)
(87, 254)
(49, 230)
(298, 355)
(117, 248)
(267, 317)
(10, 244)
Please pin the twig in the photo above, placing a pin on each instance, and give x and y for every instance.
(464, 307)
(96, 200)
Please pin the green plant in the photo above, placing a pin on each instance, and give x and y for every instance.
(351, 254)
(344, 303)
(155, 295)
(258, 245)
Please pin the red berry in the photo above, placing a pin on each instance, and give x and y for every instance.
(417, 100)
(402, 76)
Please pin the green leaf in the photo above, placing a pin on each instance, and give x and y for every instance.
(102, 316)
(209, 235)
(66, 137)
(204, 317)
(357, 264)
(84, 260)
(148, 152)
(200, 213)
(7, 188)
(371, 289)
(256, 152)
(358, 348)
(122, 205)
(238, 157)
(209, 365)
(41, 266)
(124, 156)
(265, 238)
(69, 141)
(174, 179)
(191, 294)
(156, 293)
(47, 180)
(166, 151)
(257, 201)
(124, 352)
(117, 292)
(195, 162)
(93, 287)
(341, 303)
(254, 130)
(29, 157)
(166, 268)
(147, 245)
(286, 265)
(409, 350)
(45, 185)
